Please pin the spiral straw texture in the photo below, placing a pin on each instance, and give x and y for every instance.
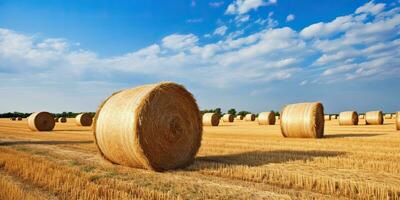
(41, 121)
(210, 119)
(228, 118)
(250, 117)
(348, 118)
(84, 119)
(374, 118)
(156, 127)
(303, 120)
(266, 118)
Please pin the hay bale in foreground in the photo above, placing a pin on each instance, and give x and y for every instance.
(210, 119)
(41, 121)
(398, 120)
(374, 118)
(388, 116)
(228, 118)
(250, 117)
(361, 116)
(84, 119)
(348, 118)
(303, 120)
(266, 118)
(327, 117)
(239, 117)
(156, 127)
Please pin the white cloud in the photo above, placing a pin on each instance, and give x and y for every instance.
(240, 19)
(179, 42)
(290, 17)
(371, 8)
(216, 4)
(221, 30)
(240, 7)
(194, 20)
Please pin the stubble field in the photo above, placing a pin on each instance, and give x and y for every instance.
(240, 160)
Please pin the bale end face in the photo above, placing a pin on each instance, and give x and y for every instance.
(303, 120)
(156, 127)
(84, 119)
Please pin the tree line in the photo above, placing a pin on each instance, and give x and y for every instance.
(25, 115)
(231, 111)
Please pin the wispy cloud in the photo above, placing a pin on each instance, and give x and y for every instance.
(216, 4)
(290, 17)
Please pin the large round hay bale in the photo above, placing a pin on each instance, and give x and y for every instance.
(250, 117)
(348, 118)
(210, 119)
(303, 120)
(239, 117)
(361, 116)
(327, 117)
(156, 127)
(62, 119)
(266, 118)
(374, 118)
(84, 119)
(398, 120)
(388, 116)
(41, 121)
(228, 118)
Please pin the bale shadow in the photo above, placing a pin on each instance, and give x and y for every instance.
(351, 135)
(66, 130)
(259, 158)
(48, 142)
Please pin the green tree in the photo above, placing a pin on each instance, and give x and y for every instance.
(232, 111)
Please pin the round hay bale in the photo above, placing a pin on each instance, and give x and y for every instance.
(333, 116)
(13, 118)
(266, 118)
(41, 121)
(348, 118)
(211, 119)
(156, 127)
(239, 117)
(374, 118)
(228, 118)
(394, 116)
(327, 117)
(19, 118)
(303, 120)
(56, 119)
(84, 119)
(62, 119)
(398, 120)
(250, 117)
(361, 116)
(388, 116)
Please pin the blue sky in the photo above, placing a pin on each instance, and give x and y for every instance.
(254, 55)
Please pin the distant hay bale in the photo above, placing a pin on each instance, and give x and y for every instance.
(210, 119)
(19, 118)
(228, 118)
(388, 116)
(266, 118)
(374, 118)
(62, 119)
(277, 118)
(398, 120)
(56, 119)
(361, 116)
(156, 127)
(239, 117)
(333, 116)
(41, 121)
(13, 118)
(84, 119)
(348, 118)
(303, 120)
(250, 117)
(327, 117)
(394, 116)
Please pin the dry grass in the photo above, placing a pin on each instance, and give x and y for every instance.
(239, 160)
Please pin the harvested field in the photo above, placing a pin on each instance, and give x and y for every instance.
(239, 160)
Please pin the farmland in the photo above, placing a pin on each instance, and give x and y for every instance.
(239, 160)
